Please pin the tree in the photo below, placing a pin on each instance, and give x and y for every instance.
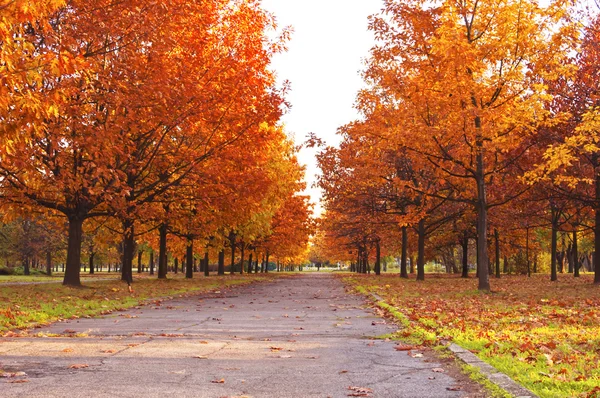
(465, 76)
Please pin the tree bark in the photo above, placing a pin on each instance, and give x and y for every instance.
(575, 255)
(482, 214)
(465, 255)
(49, 263)
(26, 266)
(403, 265)
(162, 252)
(151, 262)
(221, 266)
(497, 239)
(206, 269)
(189, 258)
(140, 267)
(128, 247)
(596, 259)
(242, 258)
(91, 262)
(527, 252)
(421, 252)
(73, 266)
(232, 271)
(377, 258)
(250, 263)
(267, 262)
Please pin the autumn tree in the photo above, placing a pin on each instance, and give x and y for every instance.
(465, 77)
(149, 103)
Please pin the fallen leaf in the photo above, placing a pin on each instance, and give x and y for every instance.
(15, 374)
(404, 347)
(67, 350)
(79, 366)
(359, 391)
(221, 381)
(200, 356)
(18, 381)
(438, 370)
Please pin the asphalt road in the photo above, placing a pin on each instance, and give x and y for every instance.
(294, 337)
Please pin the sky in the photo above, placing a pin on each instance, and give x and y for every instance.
(323, 64)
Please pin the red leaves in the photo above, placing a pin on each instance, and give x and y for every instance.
(79, 366)
(359, 392)
(404, 347)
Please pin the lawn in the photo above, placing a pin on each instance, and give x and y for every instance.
(544, 335)
(27, 306)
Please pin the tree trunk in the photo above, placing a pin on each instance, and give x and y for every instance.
(575, 255)
(250, 263)
(232, 271)
(206, 269)
(596, 258)
(377, 258)
(162, 252)
(49, 263)
(242, 258)
(91, 262)
(176, 265)
(221, 266)
(497, 239)
(189, 258)
(128, 247)
(26, 266)
(267, 262)
(553, 244)
(527, 252)
(73, 263)
(151, 262)
(465, 255)
(403, 265)
(256, 269)
(140, 267)
(482, 250)
(421, 252)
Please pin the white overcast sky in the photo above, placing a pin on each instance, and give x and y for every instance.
(323, 64)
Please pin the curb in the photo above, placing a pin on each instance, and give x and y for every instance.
(488, 371)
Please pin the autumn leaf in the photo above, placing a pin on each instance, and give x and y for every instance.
(79, 366)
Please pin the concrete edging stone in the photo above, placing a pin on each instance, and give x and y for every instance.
(492, 374)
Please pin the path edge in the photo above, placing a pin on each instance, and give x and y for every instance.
(492, 374)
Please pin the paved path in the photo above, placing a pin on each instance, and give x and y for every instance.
(294, 337)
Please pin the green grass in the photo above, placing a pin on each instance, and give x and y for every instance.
(544, 335)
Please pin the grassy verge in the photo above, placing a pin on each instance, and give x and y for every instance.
(26, 306)
(544, 335)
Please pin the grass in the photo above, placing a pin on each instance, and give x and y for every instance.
(544, 335)
(27, 306)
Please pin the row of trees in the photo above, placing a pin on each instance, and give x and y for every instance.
(480, 122)
(148, 119)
